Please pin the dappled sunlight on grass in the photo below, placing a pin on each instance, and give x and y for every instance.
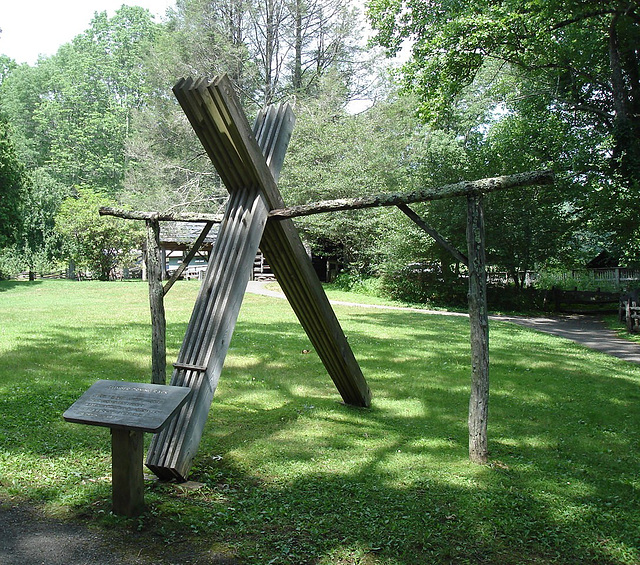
(291, 475)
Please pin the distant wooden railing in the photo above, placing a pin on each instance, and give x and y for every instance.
(629, 311)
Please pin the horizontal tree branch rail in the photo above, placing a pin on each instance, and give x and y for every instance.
(161, 216)
(464, 188)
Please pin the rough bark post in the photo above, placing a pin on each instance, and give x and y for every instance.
(479, 322)
(156, 302)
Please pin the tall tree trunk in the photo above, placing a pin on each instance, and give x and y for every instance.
(479, 322)
(297, 61)
(625, 84)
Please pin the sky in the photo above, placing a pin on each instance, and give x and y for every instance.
(38, 27)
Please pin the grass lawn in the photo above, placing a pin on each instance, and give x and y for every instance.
(293, 476)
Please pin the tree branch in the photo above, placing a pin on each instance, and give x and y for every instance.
(160, 216)
(582, 17)
(464, 188)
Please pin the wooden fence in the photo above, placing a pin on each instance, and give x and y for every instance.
(577, 301)
(629, 311)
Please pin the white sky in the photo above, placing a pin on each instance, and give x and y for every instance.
(38, 27)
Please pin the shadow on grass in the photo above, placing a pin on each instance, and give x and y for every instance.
(393, 482)
(293, 476)
(7, 286)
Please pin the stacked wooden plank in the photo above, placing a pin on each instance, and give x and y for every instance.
(249, 163)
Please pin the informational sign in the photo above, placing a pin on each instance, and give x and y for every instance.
(124, 405)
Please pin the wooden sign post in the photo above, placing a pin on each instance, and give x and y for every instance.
(129, 409)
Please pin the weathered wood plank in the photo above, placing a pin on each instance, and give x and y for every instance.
(294, 271)
(221, 126)
(292, 266)
(209, 332)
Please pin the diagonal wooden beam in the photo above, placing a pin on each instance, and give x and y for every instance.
(249, 169)
(187, 259)
(294, 271)
(440, 239)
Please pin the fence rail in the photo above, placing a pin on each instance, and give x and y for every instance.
(616, 274)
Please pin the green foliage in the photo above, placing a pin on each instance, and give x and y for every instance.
(12, 186)
(38, 247)
(98, 244)
(566, 68)
(96, 83)
(575, 280)
(362, 157)
(7, 65)
(355, 282)
(23, 90)
(291, 475)
(73, 111)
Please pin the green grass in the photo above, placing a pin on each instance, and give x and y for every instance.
(291, 475)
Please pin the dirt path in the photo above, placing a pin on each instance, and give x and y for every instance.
(29, 538)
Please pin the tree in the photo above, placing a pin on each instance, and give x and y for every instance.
(6, 66)
(39, 247)
(267, 57)
(578, 56)
(82, 113)
(333, 155)
(12, 186)
(95, 243)
(22, 91)
(72, 115)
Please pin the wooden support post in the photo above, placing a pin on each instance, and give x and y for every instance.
(479, 322)
(156, 301)
(127, 481)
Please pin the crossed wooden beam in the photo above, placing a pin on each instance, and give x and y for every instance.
(249, 162)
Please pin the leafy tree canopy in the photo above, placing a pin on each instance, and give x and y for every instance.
(568, 67)
(96, 244)
(12, 186)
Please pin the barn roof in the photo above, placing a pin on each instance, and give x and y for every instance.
(183, 234)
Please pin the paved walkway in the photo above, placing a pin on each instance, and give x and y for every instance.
(585, 330)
